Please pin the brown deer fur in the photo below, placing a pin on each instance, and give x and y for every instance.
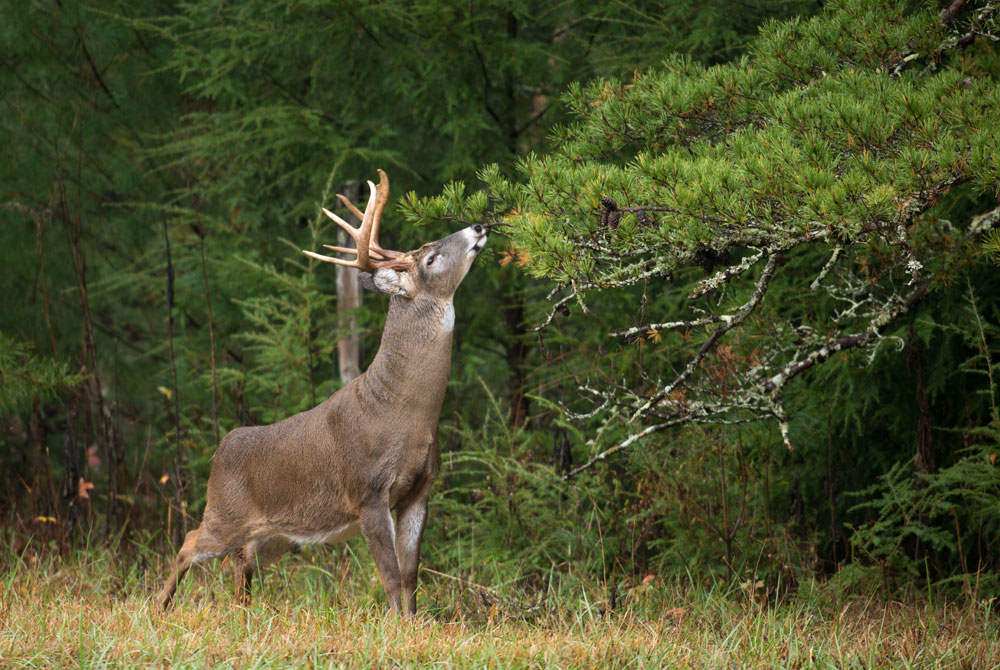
(344, 466)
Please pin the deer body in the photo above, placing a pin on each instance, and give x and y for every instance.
(367, 451)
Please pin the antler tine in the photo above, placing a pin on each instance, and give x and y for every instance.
(344, 250)
(370, 254)
(365, 234)
(380, 202)
(348, 228)
(350, 205)
(362, 237)
(329, 259)
(381, 199)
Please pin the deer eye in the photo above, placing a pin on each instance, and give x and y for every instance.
(430, 261)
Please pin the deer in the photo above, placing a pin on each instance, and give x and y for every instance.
(370, 449)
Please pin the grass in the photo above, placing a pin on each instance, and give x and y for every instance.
(324, 608)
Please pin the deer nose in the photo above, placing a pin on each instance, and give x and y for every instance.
(478, 229)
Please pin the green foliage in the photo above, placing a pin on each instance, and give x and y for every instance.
(26, 377)
(503, 508)
(950, 517)
(290, 327)
(991, 246)
(740, 234)
(705, 506)
(823, 164)
(700, 190)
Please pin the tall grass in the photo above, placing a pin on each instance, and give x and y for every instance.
(519, 570)
(324, 607)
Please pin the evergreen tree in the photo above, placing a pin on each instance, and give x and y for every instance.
(825, 184)
(430, 92)
(81, 96)
(165, 167)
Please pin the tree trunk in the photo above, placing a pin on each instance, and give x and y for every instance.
(923, 462)
(516, 353)
(514, 312)
(348, 298)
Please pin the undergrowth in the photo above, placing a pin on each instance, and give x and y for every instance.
(324, 607)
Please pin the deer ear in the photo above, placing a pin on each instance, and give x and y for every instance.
(387, 281)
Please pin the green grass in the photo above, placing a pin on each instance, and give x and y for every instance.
(324, 607)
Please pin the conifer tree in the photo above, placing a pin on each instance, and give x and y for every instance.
(761, 217)
(216, 130)
(309, 98)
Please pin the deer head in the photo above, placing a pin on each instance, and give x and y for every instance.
(434, 270)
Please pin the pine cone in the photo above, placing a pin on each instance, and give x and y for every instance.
(610, 216)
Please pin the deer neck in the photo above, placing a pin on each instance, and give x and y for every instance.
(413, 361)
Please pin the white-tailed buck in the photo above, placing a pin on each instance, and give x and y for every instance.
(367, 451)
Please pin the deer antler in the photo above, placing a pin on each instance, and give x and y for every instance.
(370, 254)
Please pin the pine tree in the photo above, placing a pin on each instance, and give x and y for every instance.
(814, 183)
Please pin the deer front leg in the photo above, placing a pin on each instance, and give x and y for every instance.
(409, 532)
(380, 534)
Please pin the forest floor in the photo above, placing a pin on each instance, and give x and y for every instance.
(90, 610)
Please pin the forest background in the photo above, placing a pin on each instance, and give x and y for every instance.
(737, 319)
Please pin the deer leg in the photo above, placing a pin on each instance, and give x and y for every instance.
(198, 545)
(243, 567)
(250, 559)
(380, 534)
(409, 532)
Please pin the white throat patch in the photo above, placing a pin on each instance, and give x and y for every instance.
(448, 318)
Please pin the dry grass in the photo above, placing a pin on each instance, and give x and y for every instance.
(89, 612)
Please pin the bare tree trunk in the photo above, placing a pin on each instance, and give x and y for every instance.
(517, 331)
(348, 299)
(92, 390)
(516, 355)
(923, 462)
(211, 321)
(181, 527)
(71, 486)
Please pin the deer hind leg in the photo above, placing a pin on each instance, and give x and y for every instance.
(243, 566)
(251, 558)
(198, 545)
